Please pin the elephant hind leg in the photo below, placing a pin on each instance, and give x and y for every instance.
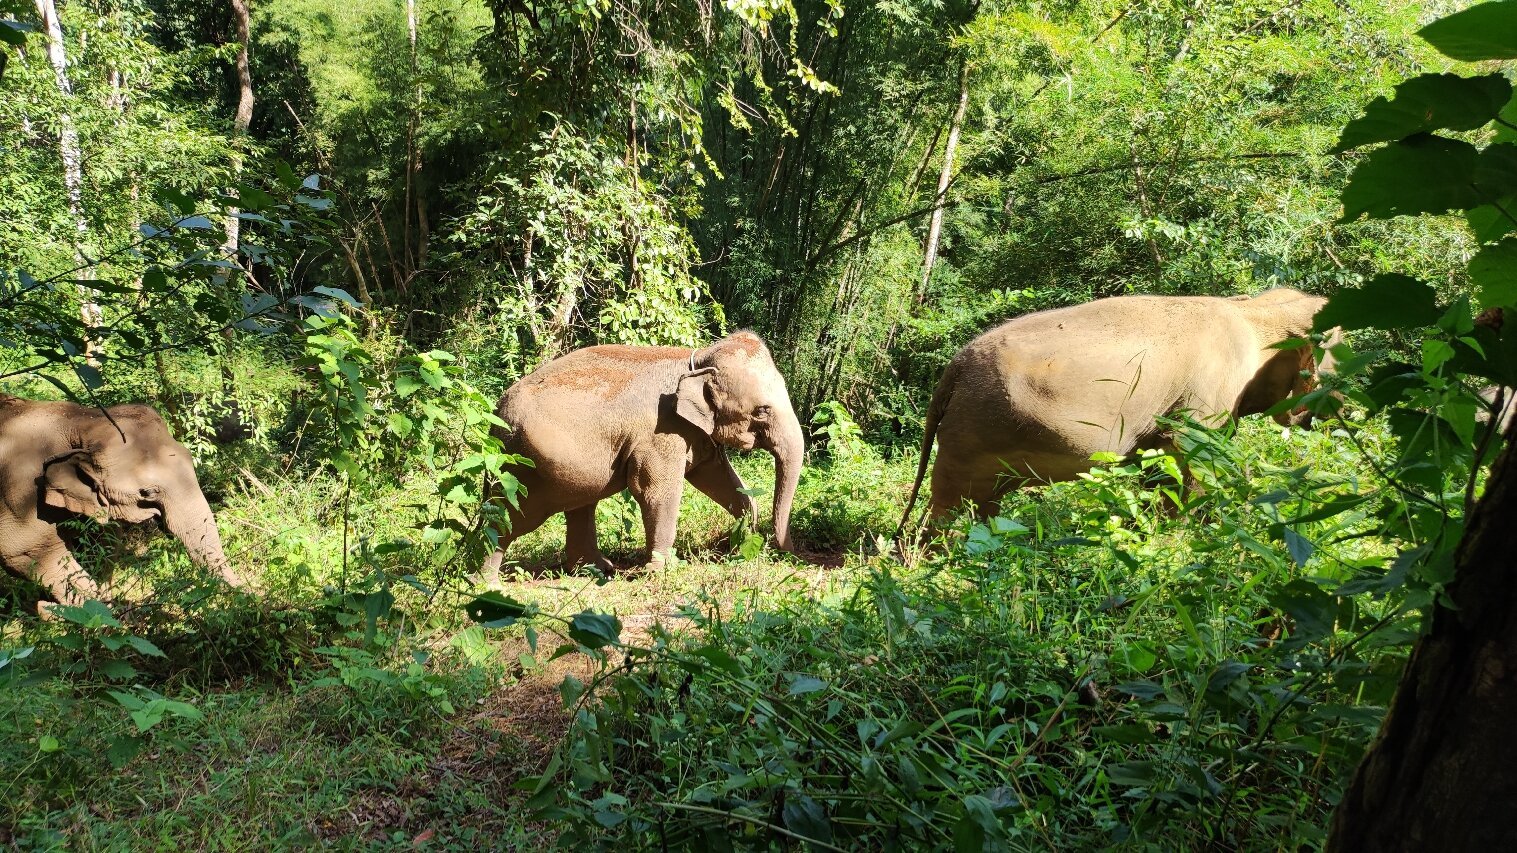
(981, 481)
(656, 486)
(522, 522)
(580, 545)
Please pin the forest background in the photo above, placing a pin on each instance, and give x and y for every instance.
(337, 231)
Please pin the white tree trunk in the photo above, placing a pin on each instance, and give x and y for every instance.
(411, 205)
(73, 170)
(242, 119)
(935, 226)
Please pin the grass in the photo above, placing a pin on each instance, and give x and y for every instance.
(1089, 672)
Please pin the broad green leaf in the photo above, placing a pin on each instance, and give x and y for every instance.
(1483, 31)
(181, 202)
(595, 630)
(1131, 774)
(1225, 674)
(1124, 733)
(904, 728)
(1312, 608)
(1300, 548)
(89, 375)
(1420, 174)
(118, 670)
(570, 689)
(376, 606)
(1141, 689)
(800, 684)
(123, 749)
(337, 293)
(1491, 222)
(13, 33)
(1434, 354)
(1331, 508)
(1388, 301)
(1496, 171)
(1426, 103)
(48, 743)
(720, 659)
(150, 715)
(806, 817)
(494, 610)
(1494, 271)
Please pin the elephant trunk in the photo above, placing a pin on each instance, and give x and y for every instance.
(189, 519)
(789, 451)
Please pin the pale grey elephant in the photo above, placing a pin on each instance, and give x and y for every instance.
(1032, 399)
(646, 419)
(62, 460)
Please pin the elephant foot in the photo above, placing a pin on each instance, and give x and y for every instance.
(657, 560)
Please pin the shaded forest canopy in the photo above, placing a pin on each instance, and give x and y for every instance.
(512, 180)
(323, 237)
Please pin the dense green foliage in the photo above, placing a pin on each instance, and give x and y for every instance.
(433, 197)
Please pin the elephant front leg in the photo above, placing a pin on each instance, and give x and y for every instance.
(67, 581)
(717, 479)
(580, 546)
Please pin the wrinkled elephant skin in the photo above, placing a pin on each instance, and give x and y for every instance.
(646, 419)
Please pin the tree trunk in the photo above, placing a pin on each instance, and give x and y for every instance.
(412, 203)
(935, 226)
(241, 121)
(73, 170)
(1442, 774)
(244, 116)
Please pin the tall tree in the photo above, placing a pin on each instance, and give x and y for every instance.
(945, 175)
(1443, 773)
(73, 162)
(243, 118)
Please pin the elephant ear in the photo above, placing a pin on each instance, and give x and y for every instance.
(72, 481)
(690, 400)
(1275, 381)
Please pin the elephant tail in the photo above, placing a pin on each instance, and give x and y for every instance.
(940, 397)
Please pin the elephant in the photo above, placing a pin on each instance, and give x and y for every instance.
(1032, 399)
(646, 419)
(60, 460)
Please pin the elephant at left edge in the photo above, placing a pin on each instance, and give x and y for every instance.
(61, 460)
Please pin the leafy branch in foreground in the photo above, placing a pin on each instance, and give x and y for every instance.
(176, 285)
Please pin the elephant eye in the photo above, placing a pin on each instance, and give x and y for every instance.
(761, 413)
(149, 492)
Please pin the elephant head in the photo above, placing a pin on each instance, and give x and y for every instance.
(1283, 314)
(734, 393)
(127, 467)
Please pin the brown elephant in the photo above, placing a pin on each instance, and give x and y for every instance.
(646, 419)
(1032, 399)
(61, 460)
